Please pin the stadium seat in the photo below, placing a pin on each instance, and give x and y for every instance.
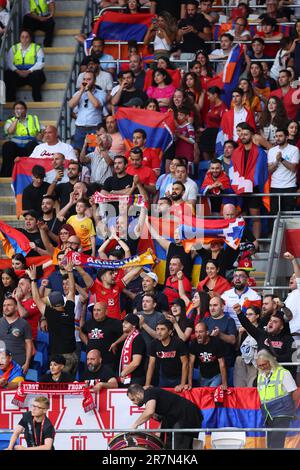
(228, 440)
(42, 337)
(32, 375)
(38, 359)
(4, 438)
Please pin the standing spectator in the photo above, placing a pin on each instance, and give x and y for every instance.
(286, 93)
(163, 33)
(11, 373)
(133, 353)
(184, 135)
(216, 182)
(206, 10)
(53, 145)
(26, 306)
(25, 63)
(283, 160)
(240, 293)
(272, 118)
(32, 232)
(270, 306)
(59, 318)
(171, 285)
(49, 218)
(106, 61)
(23, 131)
(33, 193)
(182, 325)
(171, 356)
(100, 332)
(234, 116)
(101, 160)
(213, 283)
(175, 7)
(220, 55)
(229, 147)
(98, 375)
(104, 80)
(240, 32)
(16, 334)
(62, 191)
(167, 178)
(84, 228)
(149, 286)
(257, 51)
(136, 66)
(127, 90)
(209, 350)
(193, 30)
(212, 121)
(89, 102)
(149, 317)
(8, 282)
(40, 16)
(117, 147)
(191, 189)
(223, 327)
(150, 156)
(146, 175)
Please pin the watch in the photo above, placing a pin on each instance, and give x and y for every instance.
(281, 159)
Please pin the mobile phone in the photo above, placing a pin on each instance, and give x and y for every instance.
(154, 20)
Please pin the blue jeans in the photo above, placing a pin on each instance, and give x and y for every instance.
(212, 382)
(166, 382)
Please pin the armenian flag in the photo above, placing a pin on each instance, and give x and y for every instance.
(13, 241)
(115, 26)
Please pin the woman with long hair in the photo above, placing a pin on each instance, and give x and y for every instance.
(8, 282)
(213, 283)
(207, 69)
(64, 234)
(250, 99)
(133, 6)
(191, 83)
(162, 89)
(272, 118)
(294, 133)
(152, 105)
(183, 326)
(163, 33)
(261, 86)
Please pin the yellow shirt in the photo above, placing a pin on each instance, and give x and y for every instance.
(84, 229)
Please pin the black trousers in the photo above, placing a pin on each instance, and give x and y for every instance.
(275, 440)
(10, 151)
(13, 81)
(46, 26)
(287, 203)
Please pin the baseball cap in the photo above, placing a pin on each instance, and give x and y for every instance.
(279, 314)
(56, 299)
(133, 319)
(134, 102)
(149, 274)
(58, 358)
(32, 213)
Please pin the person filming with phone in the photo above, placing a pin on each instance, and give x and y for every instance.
(89, 102)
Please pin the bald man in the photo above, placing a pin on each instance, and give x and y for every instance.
(101, 332)
(97, 374)
(53, 145)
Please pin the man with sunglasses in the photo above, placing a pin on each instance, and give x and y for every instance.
(38, 429)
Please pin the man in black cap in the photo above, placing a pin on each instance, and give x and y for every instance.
(173, 411)
(133, 353)
(59, 318)
(34, 192)
(32, 232)
(56, 374)
(97, 374)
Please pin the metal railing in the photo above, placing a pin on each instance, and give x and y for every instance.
(65, 113)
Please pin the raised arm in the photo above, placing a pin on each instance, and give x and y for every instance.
(31, 272)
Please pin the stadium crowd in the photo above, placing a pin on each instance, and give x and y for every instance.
(164, 325)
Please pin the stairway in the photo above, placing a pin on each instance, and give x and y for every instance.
(58, 64)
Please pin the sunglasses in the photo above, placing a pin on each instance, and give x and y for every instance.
(86, 102)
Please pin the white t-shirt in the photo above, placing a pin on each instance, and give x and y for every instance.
(47, 151)
(103, 80)
(282, 176)
(239, 116)
(293, 303)
(231, 297)
(191, 190)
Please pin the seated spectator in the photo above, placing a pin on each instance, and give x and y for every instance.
(163, 33)
(191, 83)
(220, 55)
(280, 14)
(184, 135)
(212, 251)
(162, 89)
(257, 51)
(23, 130)
(56, 373)
(11, 373)
(286, 94)
(282, 57)
(175, 7)
(207, 68)
(245, 371)
(106, 61)
(240, 32)
(35, 191)
(171, 289)
(150, 156)
(8, 282)
(53, 145)
(269, 34)
(59, 170)
(251, 100)
(183, 326)
(40, 16)
(25, 63)
(209, 352)
(237, 114)
(207, 11)
(98, 375)
(170, 354)
(127, 90)
(101, 160)
(136, 66)
(4, 17)
(273, 117)
(146, 175)
(104, 80)
(294, 133)
(89, 102)
(212, 121)
(190, 187)
(166, 179)
(213, 283)
(216, 182)
(229, 147)
(260, 85)
(62, 191)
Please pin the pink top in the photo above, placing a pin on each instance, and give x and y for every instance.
(159, 93)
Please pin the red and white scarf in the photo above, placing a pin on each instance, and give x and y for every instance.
(126, 354)
(29, 388)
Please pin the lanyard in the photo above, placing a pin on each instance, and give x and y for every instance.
(36, 443)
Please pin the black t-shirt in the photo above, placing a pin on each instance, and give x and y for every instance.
(34, 237)
(168, 357)
(162, 304)
(63, 378)
(33, 430)
(138, 347)
(208, 355)
(184, 324)
(113, 183)
(32, 197)
(101, 334)
(173, 409)
(61, 329)
(140, 80)
(178, 250)
(191, 41)
(62, 193)
(172, 6)
(54, 225)
(128, 95)
(104, 374)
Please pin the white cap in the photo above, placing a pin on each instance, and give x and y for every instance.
(150, 274)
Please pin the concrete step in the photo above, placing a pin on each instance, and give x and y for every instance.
(6, 189)
(63, 37)
(63, 5)
(59, 55)
(57, 73)
(51, 92)
(13, 221)
(73, 18)
(7, 205)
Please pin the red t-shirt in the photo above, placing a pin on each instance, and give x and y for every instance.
(270, 50)
(171, 288)
(34, 315)
(150, 158)
(110, 296)
(146, 175)
(290, 107)
(214, 115)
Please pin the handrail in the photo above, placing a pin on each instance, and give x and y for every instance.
(272, 251)
(64, 120)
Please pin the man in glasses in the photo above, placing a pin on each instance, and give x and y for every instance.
(240, 294)
(38, 429)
